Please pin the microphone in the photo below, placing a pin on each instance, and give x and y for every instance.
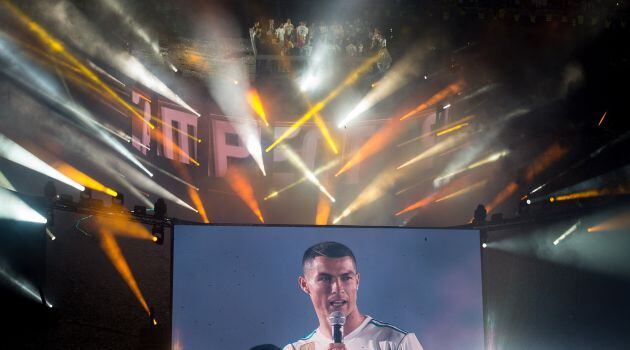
(337, 320)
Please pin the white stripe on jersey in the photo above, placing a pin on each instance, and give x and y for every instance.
(370, 335)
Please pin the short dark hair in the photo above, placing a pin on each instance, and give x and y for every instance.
(329, 250)
(265, 347)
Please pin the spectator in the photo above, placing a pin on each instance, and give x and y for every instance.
(280, 35)
(270, 31)
(302, 34)
(349, 38)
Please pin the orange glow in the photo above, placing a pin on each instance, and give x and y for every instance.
(254, 101)
(441, 147)
(193, 192)
(326, 133)
(111, 248)
(321, 124)
(445, 127)
(602, 119)
(194, 196)
(348, 81)
(161, 139)
(323, 211)
(373, 145)
(618, 222)
(543, 161)
(450, 130)
(124, 227)
(58, 48)
(579, 195)
(449, 191)
(593, 193)
(502, 196)
(83, 179)
(237, 179)
(419, 204)
(549, 156)
(323, 206)
(442, 94)
(159, 121)
(462, 191)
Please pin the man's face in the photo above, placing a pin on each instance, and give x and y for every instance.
(332, 284)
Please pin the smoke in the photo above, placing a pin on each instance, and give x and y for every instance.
(78, 30)
(407, 69)
(603, 252)
(231, 88)
(41, 84)
(75, 145)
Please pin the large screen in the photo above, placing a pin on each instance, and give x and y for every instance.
(238, 287)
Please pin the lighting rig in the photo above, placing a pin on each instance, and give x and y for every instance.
(116, 210)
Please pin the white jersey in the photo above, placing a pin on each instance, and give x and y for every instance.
(370, 335)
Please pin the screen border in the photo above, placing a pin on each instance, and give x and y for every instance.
(176, 223)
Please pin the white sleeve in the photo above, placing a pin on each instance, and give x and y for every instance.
(409, 342)
(288, 347)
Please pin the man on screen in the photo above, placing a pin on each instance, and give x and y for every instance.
(331, 280)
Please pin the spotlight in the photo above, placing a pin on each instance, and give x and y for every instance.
(152, 317)
(50, 234)
(529, 201)
(447, 106)
(139, 210)
(159, 212)
(484, 245)
(552, 199)
(158, 234)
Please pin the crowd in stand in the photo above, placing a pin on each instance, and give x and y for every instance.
(353, 38)
(350, 38)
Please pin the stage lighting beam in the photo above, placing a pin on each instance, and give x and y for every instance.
(17, 154)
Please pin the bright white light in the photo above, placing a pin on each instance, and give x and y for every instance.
(30, 291)
(447, 106)
(173, 68)
(13, 208)
(50, 234)
(83, 34)
(356, 111)
(396, 78)
(484, 245)
(529, 201)
(15, 153)
(40, 82)
(310, 176)
(537, 189)
(371, 193)
(310, 82)
(4, 182)
(439, 181)
(566, 233)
